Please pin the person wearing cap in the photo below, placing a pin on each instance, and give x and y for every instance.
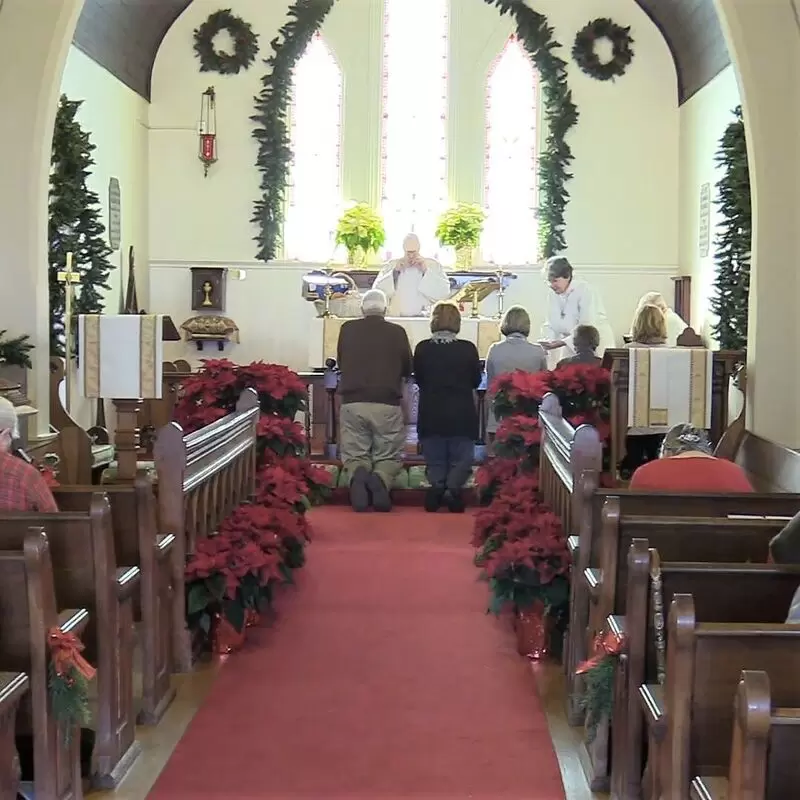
(572, 302)
(412, 284)
(374, 357)
(22, 487)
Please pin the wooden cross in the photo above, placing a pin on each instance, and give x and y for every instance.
(69, 279)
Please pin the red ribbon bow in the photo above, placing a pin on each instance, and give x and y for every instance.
(605, 644)
(65, 649)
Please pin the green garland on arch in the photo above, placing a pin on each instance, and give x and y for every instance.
(274, 144)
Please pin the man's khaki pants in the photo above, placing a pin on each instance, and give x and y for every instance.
(372, 436)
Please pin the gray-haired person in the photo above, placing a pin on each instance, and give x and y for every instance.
(687, 464)
(515, 352)
(374, 358)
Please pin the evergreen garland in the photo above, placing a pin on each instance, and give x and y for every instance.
(69, 695)
(598, 698)
(74, 225)
(16, 351)
(274, 146)
(733, 240)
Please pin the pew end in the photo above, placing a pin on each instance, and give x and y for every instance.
(13, 687)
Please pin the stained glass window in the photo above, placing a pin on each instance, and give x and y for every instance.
(414, 120)
(315, 189)
(510, 233)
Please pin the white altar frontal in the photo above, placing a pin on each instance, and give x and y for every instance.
(324, 334)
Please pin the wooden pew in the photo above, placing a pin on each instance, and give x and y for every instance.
(86, 576)
(765, 745)
(570, 462)
(690, 722)
(699, 539)
(13, 686)
(202, 477)
(158, 607)
(156, 413)
(735, 592)
(617, 362)
(586, 552)
(84, 453)
(28, 611)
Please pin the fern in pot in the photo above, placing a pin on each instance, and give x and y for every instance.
(361, 231)
(461, 227)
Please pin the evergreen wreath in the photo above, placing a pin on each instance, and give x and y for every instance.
(733, 240)
(584, 50)
(75, 224)
(245, 41)
(274, 145)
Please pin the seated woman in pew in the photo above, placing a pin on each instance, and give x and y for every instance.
(585, 340)
(22, 487)
(649, 329)
(686, 464)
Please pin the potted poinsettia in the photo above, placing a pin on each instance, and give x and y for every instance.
(362, 233)
(461, 227)
(519, 392)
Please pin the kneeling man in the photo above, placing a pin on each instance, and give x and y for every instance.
(375, 359)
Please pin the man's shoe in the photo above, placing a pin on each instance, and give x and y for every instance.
(455, 501)
(359, 492)
(433, 499)
(381, 501)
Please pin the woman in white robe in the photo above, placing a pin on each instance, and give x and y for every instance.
(675, 325)
(572, 302)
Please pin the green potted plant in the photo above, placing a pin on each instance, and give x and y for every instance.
(461, 227)
(361, 231)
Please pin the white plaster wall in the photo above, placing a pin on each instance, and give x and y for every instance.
(704, 119)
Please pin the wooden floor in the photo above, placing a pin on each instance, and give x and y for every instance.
(158, 743)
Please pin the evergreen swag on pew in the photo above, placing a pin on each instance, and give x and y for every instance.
(244, 39)
(272, 130)
(74, 224)
(733, 240)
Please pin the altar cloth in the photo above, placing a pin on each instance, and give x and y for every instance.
(483, 332)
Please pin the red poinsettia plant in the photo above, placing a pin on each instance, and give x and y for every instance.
(519, 392)
(582, 389)
(518, 437)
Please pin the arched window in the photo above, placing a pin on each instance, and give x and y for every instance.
(414, 120)
(315, 189)
(510, 234)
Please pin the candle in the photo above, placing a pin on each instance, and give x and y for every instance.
(69, 262)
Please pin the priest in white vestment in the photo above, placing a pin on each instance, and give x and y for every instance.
(572, 302)
(412, 284)
(675, 325)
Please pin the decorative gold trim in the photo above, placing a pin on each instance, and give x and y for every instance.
(641, 397)
(148, 330)
(698, 396)
(91, 355)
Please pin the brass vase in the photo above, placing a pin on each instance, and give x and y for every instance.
(533, 627)
(357, 258)
(464, 256)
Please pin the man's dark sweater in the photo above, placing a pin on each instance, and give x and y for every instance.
(374, 357)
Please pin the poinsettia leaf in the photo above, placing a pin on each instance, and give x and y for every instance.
(198, 598)
(234, 613)
(205, 623)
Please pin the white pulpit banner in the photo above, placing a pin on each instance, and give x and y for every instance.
(121, 356)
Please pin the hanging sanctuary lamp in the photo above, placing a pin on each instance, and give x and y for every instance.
(208, 129)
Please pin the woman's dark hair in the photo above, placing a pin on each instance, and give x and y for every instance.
(586, 337)
(559, 267)
(445, 317)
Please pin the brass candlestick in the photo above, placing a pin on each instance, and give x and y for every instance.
(501, 291)
(328, 296)
(69, 279)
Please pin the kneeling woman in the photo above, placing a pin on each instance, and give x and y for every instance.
(447, 370)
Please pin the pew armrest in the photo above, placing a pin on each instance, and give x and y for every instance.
(709, 789)
(12, 686)
(573, 544)
(73, 620)
(593, 578)
(616, 624)
(127, 581)
(651, 697)
(164, 544)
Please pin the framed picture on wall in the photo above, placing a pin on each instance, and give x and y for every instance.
(208, 288)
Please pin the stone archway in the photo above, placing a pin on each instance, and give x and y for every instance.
(764, 42)
(34, 43)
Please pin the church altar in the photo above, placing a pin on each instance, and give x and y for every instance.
(324, 334)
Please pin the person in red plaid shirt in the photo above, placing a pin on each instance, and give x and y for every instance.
(22, 487)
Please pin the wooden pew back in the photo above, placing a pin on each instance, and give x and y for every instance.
(570, 462)
(28, 611)
(204, 475)
(704, 663)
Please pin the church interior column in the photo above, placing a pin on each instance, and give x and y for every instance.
(770, 90)
(35, 36)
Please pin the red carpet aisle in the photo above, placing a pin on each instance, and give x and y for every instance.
(382, 680)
